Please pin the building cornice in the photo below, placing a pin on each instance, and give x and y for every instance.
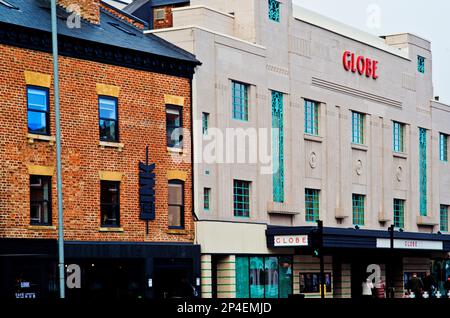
(39, 40)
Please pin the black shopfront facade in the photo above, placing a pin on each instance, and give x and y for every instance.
(361, 248)
(111, 270)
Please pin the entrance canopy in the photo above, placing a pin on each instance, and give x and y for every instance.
(298, 237)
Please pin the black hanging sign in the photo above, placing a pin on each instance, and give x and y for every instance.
(147, 180)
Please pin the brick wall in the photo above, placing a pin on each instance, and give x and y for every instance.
(141, 122)
(163, 23)
(89, 9)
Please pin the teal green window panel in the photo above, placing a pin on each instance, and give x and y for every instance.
(278, 146)
(443, 147)
(357, 128)
(398, 137)
(205, 123)
(423, 171)
(421, 64)
(242, 277)
(271, 284)
(257, 276)
(358, 201)
(444, 218)
(399, 213)
(311, 118)
(240, 101)
(274, 10)
(206, 198)
(311, 205)
(264, 277)
(241, 198)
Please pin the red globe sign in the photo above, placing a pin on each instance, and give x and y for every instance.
(360, 64)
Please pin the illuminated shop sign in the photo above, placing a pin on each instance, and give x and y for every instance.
(411, 244)
(360, 64)
(291, 240)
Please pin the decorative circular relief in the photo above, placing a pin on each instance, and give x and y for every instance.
(359, 167)
(313, 160)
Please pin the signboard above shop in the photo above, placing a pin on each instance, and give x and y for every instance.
(290, 240)
(411, 244)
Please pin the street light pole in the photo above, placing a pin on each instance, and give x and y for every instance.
(62, 284)
(391, 265)
(322, 265)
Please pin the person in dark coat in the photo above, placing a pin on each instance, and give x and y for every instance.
(447, 285)
(429, 284)
(415, 285)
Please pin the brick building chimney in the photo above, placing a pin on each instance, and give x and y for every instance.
(90, 9)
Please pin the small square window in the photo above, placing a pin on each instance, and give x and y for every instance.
(160, 14)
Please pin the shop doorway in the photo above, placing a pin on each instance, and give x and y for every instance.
(358, 276)
(173, 278)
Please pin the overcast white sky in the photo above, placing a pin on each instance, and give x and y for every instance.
(428, 19)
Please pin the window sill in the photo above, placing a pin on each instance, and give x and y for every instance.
(400, 155)
(111, 229)
(426, 221)
(174, 150)
(108, 144)
(360, 147)
(313, 138)
(177, 232)
(34, 137)
(241, 120)
(281, 208)
(42, 227)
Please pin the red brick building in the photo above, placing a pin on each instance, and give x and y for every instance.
(120, 92)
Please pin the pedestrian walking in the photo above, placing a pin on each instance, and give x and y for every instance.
(415, 285)
(367, 287)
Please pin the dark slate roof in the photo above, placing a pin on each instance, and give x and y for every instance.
(135, 5)
(35, 14)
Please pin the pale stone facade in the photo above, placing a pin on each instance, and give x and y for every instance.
(301, 56)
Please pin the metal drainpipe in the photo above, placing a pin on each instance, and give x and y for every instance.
(58, 152)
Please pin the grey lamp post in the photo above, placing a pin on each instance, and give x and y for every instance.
(58, 152)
